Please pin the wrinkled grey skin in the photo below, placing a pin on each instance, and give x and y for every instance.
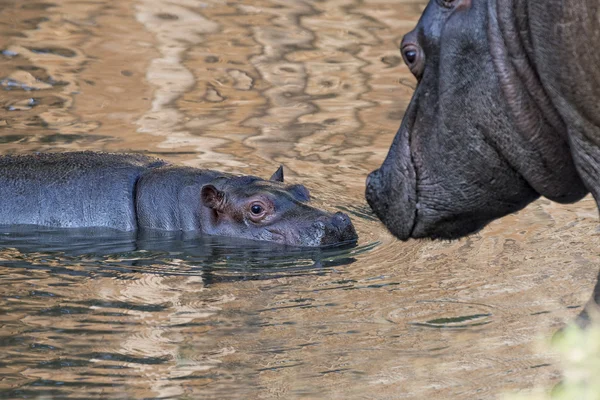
(507, 109)
(130, 192)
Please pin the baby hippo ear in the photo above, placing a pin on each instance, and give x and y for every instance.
(299, 192)
(278, 175)
(212, 197)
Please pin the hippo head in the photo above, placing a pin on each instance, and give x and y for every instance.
(254, 208)
(480, 137)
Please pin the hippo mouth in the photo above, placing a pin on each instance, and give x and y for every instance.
(412, 210)
(398, 217)
(391, 190)
(401, 217)
(392, 193)
(276, 236)
(327, 231)
(332, 230)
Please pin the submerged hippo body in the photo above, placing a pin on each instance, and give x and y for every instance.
(130, 192)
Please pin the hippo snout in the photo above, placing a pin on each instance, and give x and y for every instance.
(373, 194)
(336, 228)
(391, 194)
(341, 221)
(372, 185)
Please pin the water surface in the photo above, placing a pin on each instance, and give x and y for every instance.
(245, 86)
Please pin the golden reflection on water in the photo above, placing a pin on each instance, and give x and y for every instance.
(245, 86)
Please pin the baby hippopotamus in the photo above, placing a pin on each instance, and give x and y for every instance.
(131, 192)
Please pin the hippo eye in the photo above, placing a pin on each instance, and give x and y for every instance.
(256, 209)
(446, 3)
(410, 55)
(259, 211)
(414, 58)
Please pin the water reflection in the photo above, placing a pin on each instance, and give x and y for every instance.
(96, 308)
(244, 87)
(214, 258)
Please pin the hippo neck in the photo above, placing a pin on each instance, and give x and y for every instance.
(168, 198)
(565, 36)
(513, 55)
(535, 117)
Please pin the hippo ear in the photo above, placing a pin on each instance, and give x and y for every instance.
(299, 192)
(212, 197)
(278, 175)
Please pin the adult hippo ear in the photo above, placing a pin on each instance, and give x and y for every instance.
(484, 133)
(277, 175)
(212, 197)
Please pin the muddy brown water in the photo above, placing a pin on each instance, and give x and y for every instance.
(244, 86)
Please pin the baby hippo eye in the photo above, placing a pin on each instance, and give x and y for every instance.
(258, 211)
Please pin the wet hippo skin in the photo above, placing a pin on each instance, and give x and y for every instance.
(131, 192)
(507, 109)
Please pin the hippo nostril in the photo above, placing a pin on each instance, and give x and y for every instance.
(318, 225)
(340, 220)
(337, 228)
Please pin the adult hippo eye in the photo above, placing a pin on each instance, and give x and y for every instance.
(414, 58)
(256, 209)
(410, 55)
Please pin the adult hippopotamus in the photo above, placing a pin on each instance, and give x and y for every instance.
(506, 109)
(130, 192)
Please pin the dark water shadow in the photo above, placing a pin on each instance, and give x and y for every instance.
(216, 259)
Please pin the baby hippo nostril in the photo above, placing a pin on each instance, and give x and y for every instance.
(318, 225)
(340, 220)
(336, 228)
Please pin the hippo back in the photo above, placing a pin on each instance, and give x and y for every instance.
(78, 189)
